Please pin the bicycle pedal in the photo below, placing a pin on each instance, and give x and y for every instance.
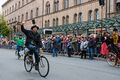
(34, 64)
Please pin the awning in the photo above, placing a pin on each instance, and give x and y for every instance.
(118, 1)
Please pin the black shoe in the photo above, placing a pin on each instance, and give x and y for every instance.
(36, 67)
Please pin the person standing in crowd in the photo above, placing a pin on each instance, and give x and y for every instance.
(58, 43)
(65, 45)
(119, 39)
(43, 43)
(115, 36)
(78, 44)
(98, 44)
(69, 47)
(48, 45)
(83, 47)
(54, 49)
(106, 40)
(91, 47)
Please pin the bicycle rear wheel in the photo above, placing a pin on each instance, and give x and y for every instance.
(111, 59)
(28, 64)
(16, 53)
(43, 66)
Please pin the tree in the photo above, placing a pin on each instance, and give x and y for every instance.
(4, 28)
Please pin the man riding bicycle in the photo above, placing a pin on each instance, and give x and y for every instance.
(33, 42)
(20, 43)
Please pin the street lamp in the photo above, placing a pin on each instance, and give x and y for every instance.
(42, 15)
(101, 3)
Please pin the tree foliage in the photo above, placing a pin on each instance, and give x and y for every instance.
(4, 28)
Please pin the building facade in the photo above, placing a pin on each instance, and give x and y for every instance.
(52, 13)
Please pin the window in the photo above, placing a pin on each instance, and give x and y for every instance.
(31, 14)
(37, 12)
(90, 15)
(19, 4)
(26, 1)
(18, 18)
(47, 7)
(57, 22)
(15, 6)
(118, 6)
(9, 21)
(63, 20)
(22, 2)
(45, 23)
(12, 19)
(12, 8)
(48, 23)
(15, 19)
(67, 19)
(26, 15)
(80, 17)
(22, 18)
(56, 5)
(96, 14)
(75, 18)
(54, 23)
(66, 4)
(77, 2)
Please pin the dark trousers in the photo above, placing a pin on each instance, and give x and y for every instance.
(83, 54)
(34, 50)
(69, 52)
(18, 49)
(55, 52)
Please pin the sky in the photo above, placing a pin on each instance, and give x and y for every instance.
(1, 2)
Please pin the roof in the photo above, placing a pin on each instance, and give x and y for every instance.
(6, 3)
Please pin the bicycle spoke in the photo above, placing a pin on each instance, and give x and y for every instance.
(43, 67)
(28, 64)
(111, 59)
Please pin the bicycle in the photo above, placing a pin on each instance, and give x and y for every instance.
(29, 63)
(113, 58)
(21, 52)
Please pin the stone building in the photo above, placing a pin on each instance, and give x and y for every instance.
(52, 13)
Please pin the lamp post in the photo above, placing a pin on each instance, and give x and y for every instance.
(101, 19)
(106, 9)
(42, 15)
(101, 3)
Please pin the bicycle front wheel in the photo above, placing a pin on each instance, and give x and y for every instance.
(43, 66)
(16, 53)
(28, 64)
(111, 59)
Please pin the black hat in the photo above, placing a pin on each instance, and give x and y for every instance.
(115, 29)
(34, 27)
